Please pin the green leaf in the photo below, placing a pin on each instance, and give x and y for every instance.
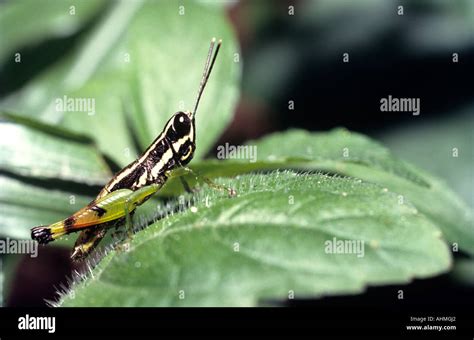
(30, 148)
(269, 240)
(161, 79)
(137, 71)
(352, 154)
(37, 98)
(442, 146)
(170, 82)
(51, 20)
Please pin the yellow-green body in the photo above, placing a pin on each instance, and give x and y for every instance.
(111, 207)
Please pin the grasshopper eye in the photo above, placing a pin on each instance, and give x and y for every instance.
(181, 124)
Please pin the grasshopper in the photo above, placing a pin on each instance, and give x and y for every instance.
(136, 183)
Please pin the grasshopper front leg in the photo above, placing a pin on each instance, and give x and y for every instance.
(185, 170)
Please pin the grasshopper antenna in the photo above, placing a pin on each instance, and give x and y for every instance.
(207, 71)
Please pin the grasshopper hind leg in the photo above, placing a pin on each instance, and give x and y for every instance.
(86, 242)
(90, 237)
